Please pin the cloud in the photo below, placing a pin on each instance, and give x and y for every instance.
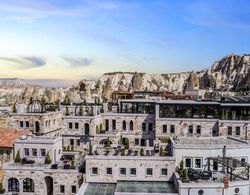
(25, 62)
(78, 62)
(28, 11)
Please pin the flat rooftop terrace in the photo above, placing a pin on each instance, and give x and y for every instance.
(213, 141)
(130, 187)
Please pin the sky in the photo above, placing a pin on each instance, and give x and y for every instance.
(82, 39)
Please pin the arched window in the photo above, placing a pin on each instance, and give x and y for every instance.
(86, 126)
(28, 185)
(131, 126)
(37, 126)
(13, 185)
(124, 126)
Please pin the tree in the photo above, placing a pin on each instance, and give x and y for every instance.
(185, 173)
(18, 158)
(81, 110)
(43, 106)
(162, 151)
(181, 165)
(14, 110)
(97, 129)
(67, 111)
(68, 148)
(72, 148)
(47, 159)
(90, 149)
(123, 152)
(141, 152)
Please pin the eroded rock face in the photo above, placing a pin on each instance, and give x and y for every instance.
(231, 73)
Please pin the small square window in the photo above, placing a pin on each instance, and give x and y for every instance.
(62, 189)
(188, 162)
(26, 151)
(78, 142)
(164, 172)
(190, 129)
(109, 171)
(71, 142)
(70, 125)
(198, 129)
(136, 141)
(122, 171)
(149, 172)
(21, 124)
(237, 130)
(164, 129)
(73, 189)
(229, 130)
(198, 163)
(143, 126)
(172, 128)
(150, 126)
(133, 171)
(27, 124)
(43, 152)
(94, 171)
(34, 152)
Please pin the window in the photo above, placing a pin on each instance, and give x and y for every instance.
(188, 162)
(149, 172)
(215, 165)
(229, 130)
(28, 185)
(150, 126)
(21, 124)
(172, 128)
(73, 189)
(78, 142)
(124, 126)
(34, 152)
(94, 170)
(27, 124)
(164, 172)
(198, 163)
(122, 171)
(109, 171)
(164, 129)
(143, 126)
(76, 125)
(131, 126)
(26, 151)
(62, 189)
(143, 142)
(136, 141)
(13, 185)
(198, 129)
(190, 129)
(151, 142)
(133, 171)
(106, 124)
(237, 130)
(70, 125)
(114, 124)
(71, 142)
(43, 152)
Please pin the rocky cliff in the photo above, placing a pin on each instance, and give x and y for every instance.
(231, 73)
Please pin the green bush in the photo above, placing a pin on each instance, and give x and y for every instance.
(18, 158)
(47, 159)
(68, 148)
(72, 148)
(123, 152)
(141, 152)
(181, 165)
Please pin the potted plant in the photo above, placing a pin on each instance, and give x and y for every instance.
(141, 152)
(18, 158)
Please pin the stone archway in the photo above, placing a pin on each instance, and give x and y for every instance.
(49, 185)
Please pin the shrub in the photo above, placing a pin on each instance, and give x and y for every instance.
(18, 158)
(64, 148)
(68, 148)
(90, 149)
(185, 173)
(47, 159)
(162, 151)
(123, 152)
(141, 152)
(72, 148)
(181, 165)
